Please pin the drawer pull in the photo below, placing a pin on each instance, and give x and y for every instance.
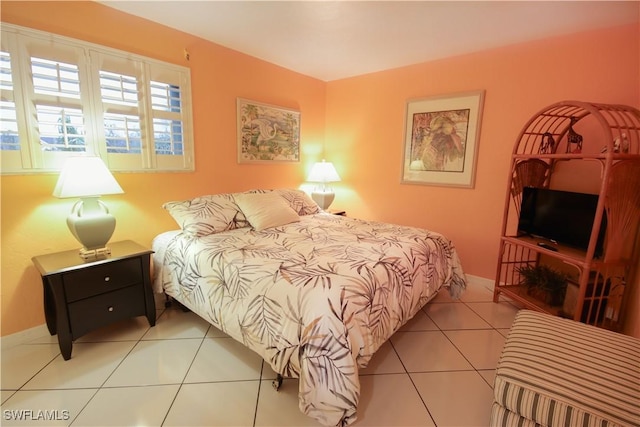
(110, 309)
(107, 278)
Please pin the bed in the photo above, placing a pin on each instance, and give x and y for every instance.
(314, 294)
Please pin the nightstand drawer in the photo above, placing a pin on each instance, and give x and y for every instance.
(102, 278)
(102, 310)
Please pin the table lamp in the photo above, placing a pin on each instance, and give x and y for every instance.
(90, 221)
(323, 172)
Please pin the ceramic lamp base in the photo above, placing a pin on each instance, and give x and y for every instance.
(323, 198)
(92, 225)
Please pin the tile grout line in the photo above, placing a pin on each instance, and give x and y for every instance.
(173, 401)
(255, 412)
(492, 328)
(108, 376)
(408, 374)
(262, 370)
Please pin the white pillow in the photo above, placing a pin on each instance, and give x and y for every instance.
(265, 210)
(299, 201)
(207, 214)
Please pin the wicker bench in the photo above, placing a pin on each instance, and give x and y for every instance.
(558, 372)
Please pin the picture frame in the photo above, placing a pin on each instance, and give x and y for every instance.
(267, 133)
(441, 138)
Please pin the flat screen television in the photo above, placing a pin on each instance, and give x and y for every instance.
(561, 216)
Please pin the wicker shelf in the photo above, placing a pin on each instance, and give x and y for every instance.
(545, 140)
(518, 293)
(565, 253)
(585, 156)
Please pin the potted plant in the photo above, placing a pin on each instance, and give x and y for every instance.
(544, 283)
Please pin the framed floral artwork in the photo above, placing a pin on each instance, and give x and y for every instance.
(267, 133)
(441, 139)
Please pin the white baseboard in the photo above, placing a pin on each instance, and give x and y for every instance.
(25, 336)
(481, 281)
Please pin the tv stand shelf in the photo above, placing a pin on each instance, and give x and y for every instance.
(550, 150)
(564, 253)
(519, 294)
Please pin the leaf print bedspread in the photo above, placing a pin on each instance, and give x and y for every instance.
(314, 298)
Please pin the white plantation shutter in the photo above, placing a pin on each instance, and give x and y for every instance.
(10, 139)
(14, 149)
(120, 110)
(57, 101)
(61, 128)
(121, 117)
(58, 106)
(55, 78)
(171, 116)
(167, 120)
(62, 96)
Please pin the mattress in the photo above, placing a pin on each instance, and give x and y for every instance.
(315, 298)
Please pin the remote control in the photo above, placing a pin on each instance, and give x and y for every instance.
(547, 246)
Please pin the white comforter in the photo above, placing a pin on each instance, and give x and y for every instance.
(315, 298)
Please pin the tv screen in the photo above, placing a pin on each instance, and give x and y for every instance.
(561, 216)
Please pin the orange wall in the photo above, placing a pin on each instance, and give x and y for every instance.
(366, 116)
(365, 124)
(33, 221)
(358, 122)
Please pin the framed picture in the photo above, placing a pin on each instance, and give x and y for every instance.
(441, 140)
(267, 133)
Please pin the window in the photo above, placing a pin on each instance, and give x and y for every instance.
(62, 96)
(167, 128)
(9, 139)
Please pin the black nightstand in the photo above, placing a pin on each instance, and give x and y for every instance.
(83, 295)
(337, 212)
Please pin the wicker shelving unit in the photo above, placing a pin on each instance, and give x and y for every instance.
(547, 141)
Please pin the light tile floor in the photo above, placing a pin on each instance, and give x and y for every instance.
(436, 371)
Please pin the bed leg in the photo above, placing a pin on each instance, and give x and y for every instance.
(168, 302)
(277, 383)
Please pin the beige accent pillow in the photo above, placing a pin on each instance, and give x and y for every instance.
(265, 210)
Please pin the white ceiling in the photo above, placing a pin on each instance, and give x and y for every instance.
(331, 40)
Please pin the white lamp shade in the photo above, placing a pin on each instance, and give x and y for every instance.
(85, 176)
(323, 172)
